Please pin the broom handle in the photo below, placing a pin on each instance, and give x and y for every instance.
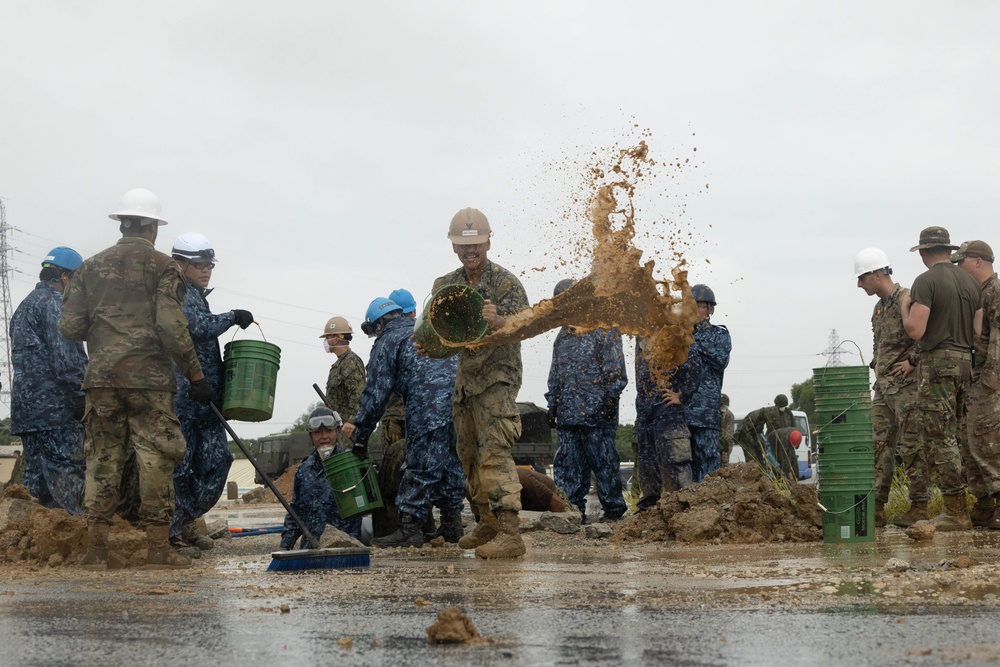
(267, 480)
(322, 396)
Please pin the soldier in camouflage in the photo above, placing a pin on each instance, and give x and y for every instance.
(727, 431)
(664, 438)
(586, 379)
(126, 303)
(750, 436)
(347, 374)
(46, 399)
(487, 422)
(943, 313)
(702, 411)
(895, 430)
(312, 498)
(201, 477)
(983, 409)
(432, 474)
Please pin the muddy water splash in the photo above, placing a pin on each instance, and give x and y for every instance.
(620, 291)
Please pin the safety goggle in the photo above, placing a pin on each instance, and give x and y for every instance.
(322, 421)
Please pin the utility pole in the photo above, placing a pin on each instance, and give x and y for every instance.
(833, 352)
(6, 309)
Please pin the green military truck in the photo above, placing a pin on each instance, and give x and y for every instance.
(535, 447)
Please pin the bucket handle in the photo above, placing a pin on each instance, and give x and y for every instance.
(368, 469)
(849, 508)
(258, 328)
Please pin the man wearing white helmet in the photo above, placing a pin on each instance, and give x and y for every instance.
(126, 303)
(347, 375)
(895, 427)
(201, 477)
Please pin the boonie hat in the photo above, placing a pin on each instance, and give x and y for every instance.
(934, 237)
(976, 249)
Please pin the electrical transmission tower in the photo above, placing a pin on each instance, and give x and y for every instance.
(833, 352)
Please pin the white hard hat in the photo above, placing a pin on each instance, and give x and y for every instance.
(870, 259)
(139, 203)
(193, 246)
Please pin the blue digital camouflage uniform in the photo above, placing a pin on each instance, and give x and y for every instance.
(201, 477)
(664, 439)
(313, 501)
(702, 411)
(48, 374)
(432, 473)
(586, 380)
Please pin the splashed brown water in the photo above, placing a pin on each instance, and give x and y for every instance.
(620, 291)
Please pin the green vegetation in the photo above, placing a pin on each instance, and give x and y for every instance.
(804, 399)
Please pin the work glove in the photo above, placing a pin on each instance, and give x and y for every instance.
(201, 391)
(552, 417)
(243, 318)
(79, 407)
(609, 409)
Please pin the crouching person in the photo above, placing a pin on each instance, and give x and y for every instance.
(312, 498)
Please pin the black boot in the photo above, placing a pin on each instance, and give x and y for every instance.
(408, 535)
(451, 526)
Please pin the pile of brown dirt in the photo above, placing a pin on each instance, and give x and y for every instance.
(54, 538)
(454, 627)
(285, 484)
(736, 504)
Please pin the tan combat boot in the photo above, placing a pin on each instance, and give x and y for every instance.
(879, 514)
(955, 516)
(485, 530)
(160, 555)
(508, 542)
(982, 512)
(191, 535)
(917, 512)
(96, 558)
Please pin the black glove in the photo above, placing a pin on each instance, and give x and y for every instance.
(552, 417)
(243, 318)
(79, 407)
(360, 450)
(609, 409)
(201, 391)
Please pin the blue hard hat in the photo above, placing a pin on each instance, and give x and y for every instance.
(703, 294)
(404, 299)
(64, 258)
(379, 307)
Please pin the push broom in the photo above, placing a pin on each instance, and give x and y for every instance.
(301, 559)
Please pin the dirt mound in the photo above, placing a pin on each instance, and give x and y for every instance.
(454, 627)
(736, 504)
(54, 537)
(285, 485)
(16, 491)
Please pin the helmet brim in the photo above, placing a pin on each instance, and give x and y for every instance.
(118, 215)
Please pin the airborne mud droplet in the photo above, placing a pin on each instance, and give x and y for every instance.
(620, 291)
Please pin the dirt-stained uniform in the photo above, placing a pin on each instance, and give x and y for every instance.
(487, 422)
(727, 434)
(944, 370)
(983, 416)
(393, 422)
(343, 389)
(125, 302)
(749, 436)
(895, 424)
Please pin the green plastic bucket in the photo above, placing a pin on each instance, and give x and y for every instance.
(849, 515)
(832, 378)
(452, 318)
(352, 480)
(251, 377)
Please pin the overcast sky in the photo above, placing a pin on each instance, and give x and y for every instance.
(324, 146)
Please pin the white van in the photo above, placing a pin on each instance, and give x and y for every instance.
(804, 452)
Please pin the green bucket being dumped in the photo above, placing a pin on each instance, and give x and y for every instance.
(251, 378)
(352, 480)
(452, 318)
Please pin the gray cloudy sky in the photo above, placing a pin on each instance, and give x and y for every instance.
(324, 146)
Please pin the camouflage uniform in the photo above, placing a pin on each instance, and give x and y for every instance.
(487, 422)
(200, 478)
(702, 411)
(393, 423)
(727, 434)
(944, 372)
(48, 373)
(126, 303)
(586, 380)
(749, 435)
(664, 439)
(313, 501)
(432, 473)
(983, 416)
(895, 424)
(343, 389)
